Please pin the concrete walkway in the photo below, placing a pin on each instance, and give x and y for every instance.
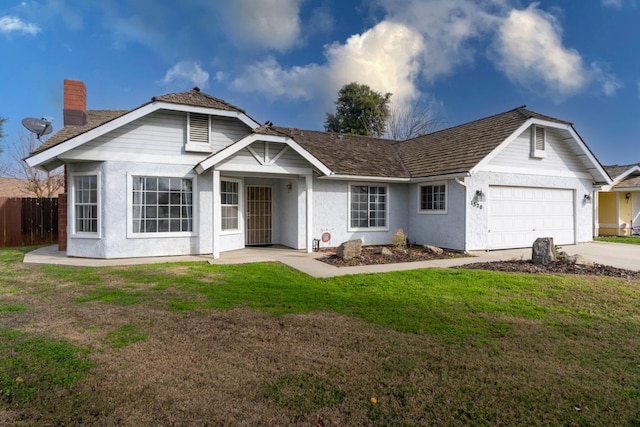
(614, 254)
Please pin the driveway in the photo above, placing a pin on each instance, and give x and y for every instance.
(618, 255)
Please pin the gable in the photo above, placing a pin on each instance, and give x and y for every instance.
(557, 155)
(266, 157)
(160, 136)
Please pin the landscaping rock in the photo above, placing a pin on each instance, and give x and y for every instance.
(543, 251)
(576, 260)
(350, 249)
(386, 251)
(434, 249)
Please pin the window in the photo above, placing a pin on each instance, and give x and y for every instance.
(162, 205)
(368, 206)
(433, 198)
(85, 204)
(229, 199)
(538, 141)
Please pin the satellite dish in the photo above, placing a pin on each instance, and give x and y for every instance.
(38, 126)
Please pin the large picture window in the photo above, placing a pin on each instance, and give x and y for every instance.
(433, 198)
(85, 201)
(368, 206)
(162, 205)
(229, 200)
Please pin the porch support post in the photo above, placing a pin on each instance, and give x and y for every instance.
(309, 199)
(217, 212)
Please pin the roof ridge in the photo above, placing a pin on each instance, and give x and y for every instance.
(337, 133)
(518, 109)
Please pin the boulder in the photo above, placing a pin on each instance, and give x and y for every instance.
(576, 260)
(543, 251)
(433, 250)
(350, 249)
(386, 251)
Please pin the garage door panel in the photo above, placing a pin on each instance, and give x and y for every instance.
(519, 215)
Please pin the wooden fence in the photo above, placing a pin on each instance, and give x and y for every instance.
(28, 221)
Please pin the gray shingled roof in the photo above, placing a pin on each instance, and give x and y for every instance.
(346, 154)
(95, 118)
(460, 148)
(197, 99)
(632, 180)
(449, 151)
(616, 170)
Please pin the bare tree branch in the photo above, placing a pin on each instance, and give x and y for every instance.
(409, 121)
(34, 182)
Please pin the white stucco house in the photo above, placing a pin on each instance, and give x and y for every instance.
(187, 173)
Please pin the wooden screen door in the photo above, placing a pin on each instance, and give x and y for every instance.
(258, 215)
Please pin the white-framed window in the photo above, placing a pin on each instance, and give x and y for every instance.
(161, 206)
(432, 198)
(368, 207)
(230, 198)
(538, 141)
(85, 202)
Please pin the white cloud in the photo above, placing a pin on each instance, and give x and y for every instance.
(273, 24)
(384, 57)
(530, 52)
(11, 24)
(186, 72)
(610, 83)
(612, 3)
(269, 78)
(447, 28)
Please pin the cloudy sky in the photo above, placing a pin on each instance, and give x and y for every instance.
(284, 60)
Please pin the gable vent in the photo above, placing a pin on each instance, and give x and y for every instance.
(538, 141)
(199, 128)
(540, 131)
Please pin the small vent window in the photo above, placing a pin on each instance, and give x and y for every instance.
(538, 141)
(199, 128)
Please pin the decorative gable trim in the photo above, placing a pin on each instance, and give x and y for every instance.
(226, 153)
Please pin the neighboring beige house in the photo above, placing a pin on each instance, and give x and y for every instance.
(618, 204)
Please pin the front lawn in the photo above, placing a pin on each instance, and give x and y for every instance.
(262, 344)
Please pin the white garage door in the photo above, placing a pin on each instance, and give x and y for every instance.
(519, 215)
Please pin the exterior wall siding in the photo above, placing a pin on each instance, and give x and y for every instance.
(331, 213)
(559, 155)
(225, 131)
(160, 136)
(443, 230)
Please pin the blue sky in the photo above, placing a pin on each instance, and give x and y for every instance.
(285, 60)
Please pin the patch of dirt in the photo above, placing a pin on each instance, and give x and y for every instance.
(371, 255)
(523, 266)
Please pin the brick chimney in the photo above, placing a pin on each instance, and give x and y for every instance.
(75, 103)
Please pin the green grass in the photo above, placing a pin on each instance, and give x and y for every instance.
(465, 346)
(631, 240)
(125, 335)
(13, 308)
(442, 302)
(31, 366)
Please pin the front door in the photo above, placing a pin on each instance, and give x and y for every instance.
(258, 215)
